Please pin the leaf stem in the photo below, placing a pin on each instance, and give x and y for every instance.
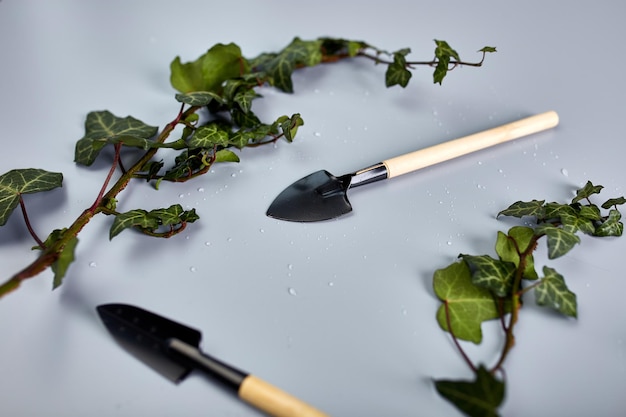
(116, 159)
(454, 338)
(29, 225)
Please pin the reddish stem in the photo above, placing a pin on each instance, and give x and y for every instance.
(456, 341)
(116, 159)
(29, 226)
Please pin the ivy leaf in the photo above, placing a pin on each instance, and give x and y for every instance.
(243, 99)
(574, 221)
(524, 208)
(478, 398)
(509, 246)
(277, 68)
(443, 53)
(487, 49)
(16, 182)
(492, 274)
(65, 256)
(614, 202)
(397, 72)
(587, 191)
(290, 125)
(468, 305)
(102, 128)
(226, 155)
(198, 98)
(209, 136)
(560, 241)
(151, 221)
(209, 71)
(132, 218)
(552, 292)
(611, 226)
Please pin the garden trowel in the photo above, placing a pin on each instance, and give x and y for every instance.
(323, 196)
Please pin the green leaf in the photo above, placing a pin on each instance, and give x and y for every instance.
(587, 191)
(467, 304)
(612, 226)
(488, 49)
(290, 125)
(16, 182)
(574, 221)
(102, 128)
(560, 241)
(524, 208)
(492, 274)
(61, 265)
(552, 292)
(209, 136)
(226, 155)
(479, 398)
(397, 72)
(509, 247)
(278, 68)
(150, 222)
(209, 71)
(443, 53)
(614, 202)
(244, 97)
(198, 98)
(65, 256)
(133, 218)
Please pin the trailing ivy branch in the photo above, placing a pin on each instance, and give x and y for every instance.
(480, 288)
(215, 95)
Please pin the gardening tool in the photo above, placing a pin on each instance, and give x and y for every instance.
(172, 349)
(323, 196)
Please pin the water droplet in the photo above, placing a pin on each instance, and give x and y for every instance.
(564, 172)
(290, 267)
(331, 284)
(93, 264)
(292, 291)
(317, 134)
(262, 230)
(192, 269)
(230, 239)
(181, 195)
(233, 175)
(200, 190)
(449, 243)
(404, 312)
(207, 243)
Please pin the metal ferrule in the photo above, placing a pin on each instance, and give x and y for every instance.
(368, 175)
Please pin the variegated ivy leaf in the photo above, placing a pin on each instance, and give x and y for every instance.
(614, 202)
(478, 398)
(443, 53)
(524, 208)
(24, 181)
(290, 125)
(151, 221)
(587, 191)
(277, 68)
(209, 136)
(397, 72)
(198, 98)
(560, 240)
(102, 128)
(492, 274)
(552, 292)
(612, 226)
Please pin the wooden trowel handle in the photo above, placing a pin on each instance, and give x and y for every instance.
(448, 150)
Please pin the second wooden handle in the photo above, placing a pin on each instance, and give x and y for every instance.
(448, 150)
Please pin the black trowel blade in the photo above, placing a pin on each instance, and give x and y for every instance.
(318, 196)
(145, 335)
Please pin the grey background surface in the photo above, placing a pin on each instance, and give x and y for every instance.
(340, 313)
